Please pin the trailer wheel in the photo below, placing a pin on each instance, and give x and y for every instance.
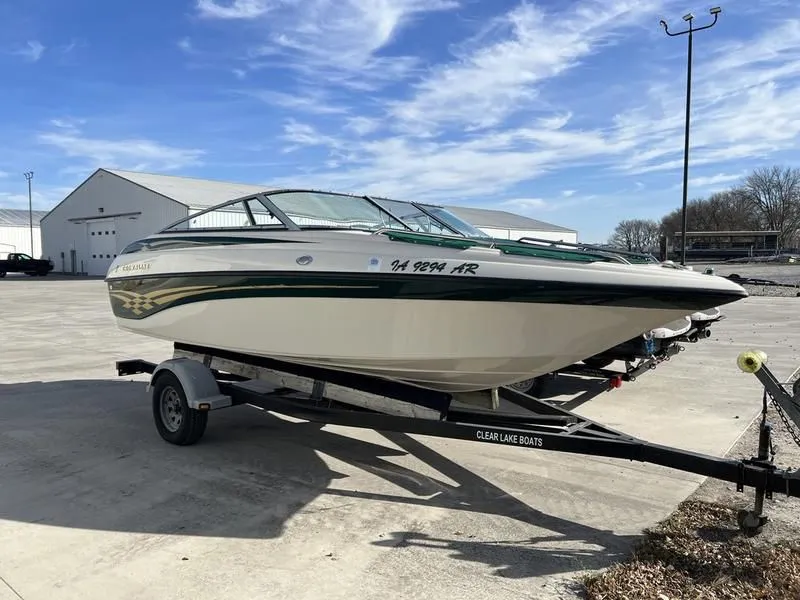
(524, 386)
(176, 422)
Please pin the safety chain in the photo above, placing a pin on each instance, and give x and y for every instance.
(791, 428)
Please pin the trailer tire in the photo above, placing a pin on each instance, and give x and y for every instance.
(176, 422)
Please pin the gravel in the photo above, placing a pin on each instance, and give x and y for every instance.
(773, 291)
(780, 273)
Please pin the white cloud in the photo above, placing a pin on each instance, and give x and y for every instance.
(435, 151)
(435, 170)
(716, 180)
(68, 123)
(302, 134)
(32, 52)
(361, 125)
(524, 205)
(491, 80)
(309, 102)
(67, 48)
(124, 153)
(185, 44)
(745, 103)
(496, 113)
(43, 197)
(234, 9)
(336, 40)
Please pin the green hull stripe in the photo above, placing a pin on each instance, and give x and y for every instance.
(140, 297)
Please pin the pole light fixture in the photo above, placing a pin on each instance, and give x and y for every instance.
(689, 18)
(29, 177)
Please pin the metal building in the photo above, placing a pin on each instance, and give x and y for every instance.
(112, 208)
(15, 232)
(510, 226)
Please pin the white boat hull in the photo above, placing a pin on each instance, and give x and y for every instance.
(443, 345)
(443, 318)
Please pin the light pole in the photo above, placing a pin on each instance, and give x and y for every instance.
(29, 176)
(691, 31)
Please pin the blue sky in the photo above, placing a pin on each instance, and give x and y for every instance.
(567, 111)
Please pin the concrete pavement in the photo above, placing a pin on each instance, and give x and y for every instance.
(93, 504)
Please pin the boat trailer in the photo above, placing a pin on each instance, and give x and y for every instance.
(594, 376)
(197, 380)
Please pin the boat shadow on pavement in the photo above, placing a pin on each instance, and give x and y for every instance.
(85, 454)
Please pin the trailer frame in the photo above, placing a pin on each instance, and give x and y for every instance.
(198, 380)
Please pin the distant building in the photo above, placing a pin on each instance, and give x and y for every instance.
(112, 208)
(510, 226)
(721, 245)
(15, 232)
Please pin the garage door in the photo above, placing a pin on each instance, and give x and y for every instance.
(102, 247)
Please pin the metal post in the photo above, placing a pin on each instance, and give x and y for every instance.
(684, 216)
(29, 176)
(691, 31)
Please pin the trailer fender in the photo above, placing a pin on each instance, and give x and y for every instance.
(198, 382)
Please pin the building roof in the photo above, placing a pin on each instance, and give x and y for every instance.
(17, 217)
(190, 191)
(204, 193)
(485, 217)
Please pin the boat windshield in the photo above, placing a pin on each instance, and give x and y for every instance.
(293, 209)
(454, 222)
(416, 218)
(330, 210)
(428, 218)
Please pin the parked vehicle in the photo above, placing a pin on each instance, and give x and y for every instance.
(17, 262)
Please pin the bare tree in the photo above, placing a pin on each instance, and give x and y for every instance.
(775, 193)
(767, 199)
(731, 210)
(696, 218)
(637, 235)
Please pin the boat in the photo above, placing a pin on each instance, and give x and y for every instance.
(656, 342)
(337, 281)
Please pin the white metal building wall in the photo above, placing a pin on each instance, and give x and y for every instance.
(514, 234)
(239, 218)
(18, 239)
(221, 218)
(74, 233)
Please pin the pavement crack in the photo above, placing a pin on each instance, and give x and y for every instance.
(11, 587)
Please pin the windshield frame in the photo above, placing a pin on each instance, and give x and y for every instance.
(453, 222)
(266, 200)
(424, 212)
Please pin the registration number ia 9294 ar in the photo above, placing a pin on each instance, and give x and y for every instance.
(433, 266)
